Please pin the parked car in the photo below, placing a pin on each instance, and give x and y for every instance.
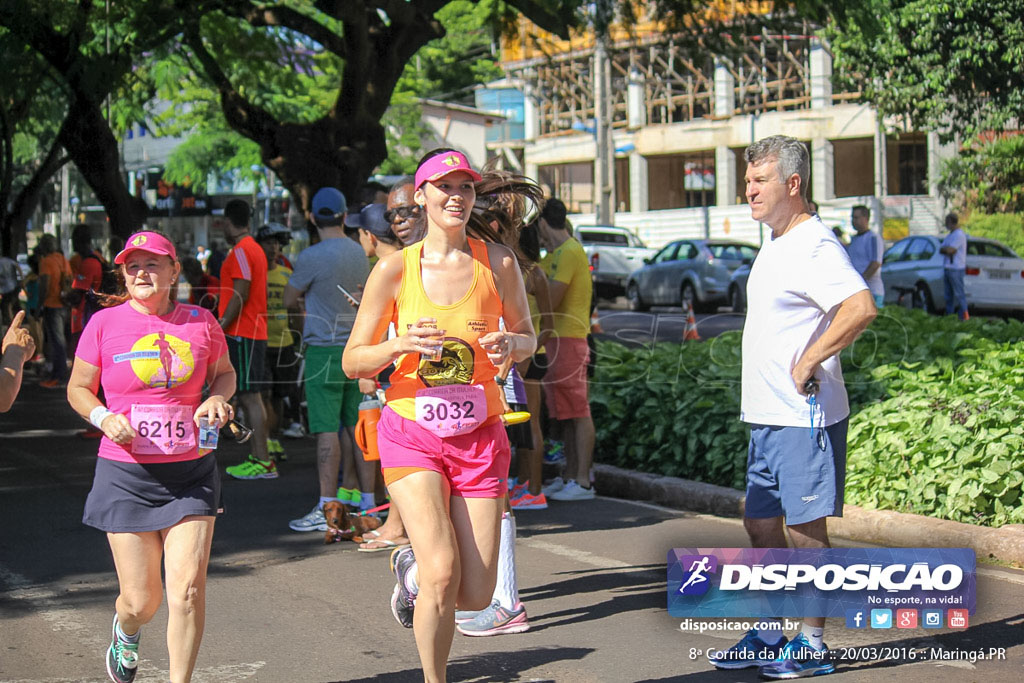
(913, 268)
(738, 288)
(694, 270)
(613, 253)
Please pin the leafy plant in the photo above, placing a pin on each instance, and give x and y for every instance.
(934, 426)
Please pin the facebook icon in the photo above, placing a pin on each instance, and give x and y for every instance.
(855, 618)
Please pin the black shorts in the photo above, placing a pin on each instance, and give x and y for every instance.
(281, 371)
(538, 367)
(248, 357)
(129, 497)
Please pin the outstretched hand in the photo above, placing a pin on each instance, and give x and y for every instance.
(19, 338)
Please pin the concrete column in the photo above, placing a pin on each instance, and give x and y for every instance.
(725, 176)
(934, 151)
(881, 162)
(820, 76)
(725, 90)
(531, 113)
(530, 170)
(636, 105)
(823, 178)
(638, 189)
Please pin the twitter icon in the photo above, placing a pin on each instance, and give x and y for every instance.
(881, 618)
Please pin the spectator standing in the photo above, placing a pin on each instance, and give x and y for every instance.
(865, 251)
(204, 289)
(806, 303)
(243, 317)
(321, 272)
(954, 248)
(565, 382)
(54, 283)
(375, 233)
(18, 349)
(282, 362)
(202, 255)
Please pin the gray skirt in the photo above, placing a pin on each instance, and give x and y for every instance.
(129, 497)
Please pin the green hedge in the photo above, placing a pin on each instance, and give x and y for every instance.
(1008, 228)
(935, 427)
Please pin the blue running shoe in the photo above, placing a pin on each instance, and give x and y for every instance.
(799, 659)
(555, 453)
(751, 651)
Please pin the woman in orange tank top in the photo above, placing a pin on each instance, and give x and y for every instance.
(443, 447)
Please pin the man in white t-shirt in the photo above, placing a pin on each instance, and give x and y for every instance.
(954, 248)
(806, 303)
(865, 250)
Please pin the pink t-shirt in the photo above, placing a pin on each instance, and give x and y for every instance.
(152, 369)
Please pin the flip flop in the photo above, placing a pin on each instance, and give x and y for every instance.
(371, 537)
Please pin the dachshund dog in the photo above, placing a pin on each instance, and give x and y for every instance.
(343, 526)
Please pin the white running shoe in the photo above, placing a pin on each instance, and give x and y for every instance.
(314, 521)
(294, 431)
(554, 486)
(573, 491)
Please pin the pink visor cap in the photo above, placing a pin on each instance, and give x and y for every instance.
(153, 242)
(443, 164)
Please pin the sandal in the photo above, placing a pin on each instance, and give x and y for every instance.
(373, 543)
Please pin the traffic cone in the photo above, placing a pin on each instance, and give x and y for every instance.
(595, 323)
(690, 333)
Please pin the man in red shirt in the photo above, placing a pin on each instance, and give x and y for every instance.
(243, 316)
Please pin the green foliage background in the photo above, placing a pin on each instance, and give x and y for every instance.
(1008, 228)
(935, 414)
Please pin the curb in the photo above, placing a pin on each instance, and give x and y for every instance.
(879, 527)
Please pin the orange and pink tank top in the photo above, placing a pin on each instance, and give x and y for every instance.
(463, 361)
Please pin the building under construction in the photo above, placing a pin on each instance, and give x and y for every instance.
(681, 113)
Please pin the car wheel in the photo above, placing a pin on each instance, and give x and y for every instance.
(923, 298)
(635, 302)
(689, 293)
(736, 300)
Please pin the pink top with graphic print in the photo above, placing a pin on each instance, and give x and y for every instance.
(151, 360)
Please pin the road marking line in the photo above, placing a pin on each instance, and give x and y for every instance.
(581, 556)
(33, 433)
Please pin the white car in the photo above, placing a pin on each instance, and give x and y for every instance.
(913, 267)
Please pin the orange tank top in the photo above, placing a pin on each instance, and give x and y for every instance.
(463, 360)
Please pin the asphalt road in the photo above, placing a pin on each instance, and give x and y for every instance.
(284, 607)
(660, 324)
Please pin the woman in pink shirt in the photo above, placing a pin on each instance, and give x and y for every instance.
(155, 493)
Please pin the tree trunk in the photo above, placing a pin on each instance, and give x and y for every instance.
(15, 221)
(92, 146)
(304, 163)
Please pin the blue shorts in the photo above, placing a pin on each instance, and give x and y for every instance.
(790, 475)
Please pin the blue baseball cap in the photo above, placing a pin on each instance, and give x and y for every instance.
(371, 218)
(329, 206)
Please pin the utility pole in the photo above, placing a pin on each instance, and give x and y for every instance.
(604, 175)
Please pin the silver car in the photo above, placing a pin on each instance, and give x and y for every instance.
(913, 267)
(694, 270)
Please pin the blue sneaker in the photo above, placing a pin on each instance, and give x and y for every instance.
(751, 651)
(555, 453)
(799, 659)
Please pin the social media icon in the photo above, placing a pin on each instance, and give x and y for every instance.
(931, 618)
(881, 618)
(906, 618)
(856, 618)
(957, 618)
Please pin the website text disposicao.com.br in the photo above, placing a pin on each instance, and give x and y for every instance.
(704, 625)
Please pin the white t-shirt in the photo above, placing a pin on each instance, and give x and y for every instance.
(958, 240)
(795, 286)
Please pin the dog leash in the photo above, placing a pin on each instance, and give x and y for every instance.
(385, 506)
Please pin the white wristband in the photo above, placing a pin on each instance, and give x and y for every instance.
(98, 415)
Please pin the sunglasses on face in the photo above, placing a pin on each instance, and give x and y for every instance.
(401, 213)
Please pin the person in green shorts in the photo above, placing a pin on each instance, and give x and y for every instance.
(323, 273)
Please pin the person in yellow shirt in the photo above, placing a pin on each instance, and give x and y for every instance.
(565, 383)
(282, 365)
